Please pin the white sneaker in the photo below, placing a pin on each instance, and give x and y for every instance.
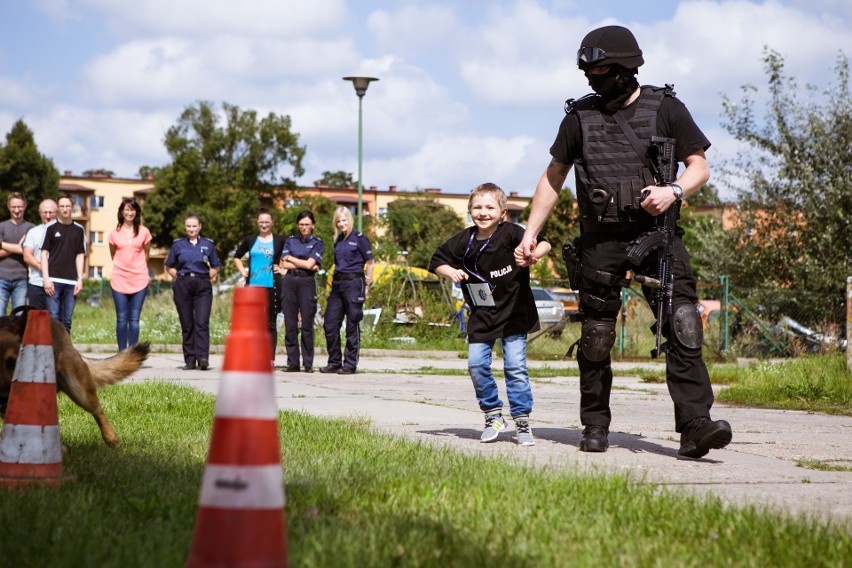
(494, 423)
(523, 431)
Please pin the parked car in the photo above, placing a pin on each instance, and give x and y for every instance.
(551, 312)
(224, 286)
(569, 298)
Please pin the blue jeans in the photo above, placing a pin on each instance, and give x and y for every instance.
(128, 307)
(14, 289)
(61, 304)
(514, 367)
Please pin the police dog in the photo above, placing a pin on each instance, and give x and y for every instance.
(76, 376)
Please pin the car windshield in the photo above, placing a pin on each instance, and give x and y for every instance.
(541, 295)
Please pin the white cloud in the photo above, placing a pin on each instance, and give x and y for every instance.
(455, 164)
(415, 29)
(467, 93)
(275, 18)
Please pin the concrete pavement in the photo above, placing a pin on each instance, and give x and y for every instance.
(759, 467)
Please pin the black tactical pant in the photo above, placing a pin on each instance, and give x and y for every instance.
(345, 300)
(194, 300)
(299, 296)
(686, 375)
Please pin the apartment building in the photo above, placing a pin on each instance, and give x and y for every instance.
(97, 197)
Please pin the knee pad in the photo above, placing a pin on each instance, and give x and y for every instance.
(686, 326)
(597, 340)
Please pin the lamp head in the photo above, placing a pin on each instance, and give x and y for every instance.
(360, 84)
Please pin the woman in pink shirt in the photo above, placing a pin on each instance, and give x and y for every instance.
(129, 245)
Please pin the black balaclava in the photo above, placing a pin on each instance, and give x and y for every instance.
(614, 87)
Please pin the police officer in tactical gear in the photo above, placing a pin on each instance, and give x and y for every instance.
(618, 200)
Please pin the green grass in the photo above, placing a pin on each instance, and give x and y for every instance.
(821, 465)
(356, 498)
(816, 383)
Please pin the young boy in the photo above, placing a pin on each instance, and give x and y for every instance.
(496, 285)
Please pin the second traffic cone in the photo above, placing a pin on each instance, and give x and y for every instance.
(30, 451)
(241, 520)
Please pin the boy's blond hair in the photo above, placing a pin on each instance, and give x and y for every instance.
(489, 188)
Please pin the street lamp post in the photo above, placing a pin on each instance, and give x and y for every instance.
(360, 84)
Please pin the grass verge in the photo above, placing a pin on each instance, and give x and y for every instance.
(356, 498)
(818, 383)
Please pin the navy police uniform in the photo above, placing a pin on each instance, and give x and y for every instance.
(193, 294)
(299, 296)
(348, 291)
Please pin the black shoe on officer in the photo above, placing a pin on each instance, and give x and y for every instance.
(188, 367)
(202, 365)
(291, 369)
(330, 369)
(309, 369)
(702, 435)
(346, 371)
(594, 439)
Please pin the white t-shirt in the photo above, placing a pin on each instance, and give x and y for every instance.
(33, 241)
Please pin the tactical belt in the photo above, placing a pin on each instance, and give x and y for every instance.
(601, 277)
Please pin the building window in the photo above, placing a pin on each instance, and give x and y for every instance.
(96, 237)
(77, 209)
(96, 272)
(383, 212)
(96, 202)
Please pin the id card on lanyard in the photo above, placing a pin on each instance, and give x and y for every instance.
(481, 294)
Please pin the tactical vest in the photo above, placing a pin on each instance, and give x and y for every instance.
(611, 175)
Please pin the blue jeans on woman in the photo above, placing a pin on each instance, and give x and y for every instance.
(128, 307)
(514, 368)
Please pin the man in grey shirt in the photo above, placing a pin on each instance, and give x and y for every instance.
(13, 269)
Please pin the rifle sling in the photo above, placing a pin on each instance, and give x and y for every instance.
(633, 139)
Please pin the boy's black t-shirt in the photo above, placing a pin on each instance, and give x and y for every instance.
(514, 311)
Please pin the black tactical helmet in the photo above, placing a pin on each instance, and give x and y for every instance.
(609, 45)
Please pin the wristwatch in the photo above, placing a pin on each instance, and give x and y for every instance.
(678, 190)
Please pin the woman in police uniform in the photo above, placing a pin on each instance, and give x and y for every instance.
(263, 252)
(302, 257)
(353, 273)
(193, 263)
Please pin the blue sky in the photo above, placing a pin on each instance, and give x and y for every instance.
(470, 91)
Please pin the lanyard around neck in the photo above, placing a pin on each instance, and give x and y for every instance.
(473, 270)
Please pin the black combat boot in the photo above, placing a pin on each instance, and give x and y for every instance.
(594, 439)
(702, 435)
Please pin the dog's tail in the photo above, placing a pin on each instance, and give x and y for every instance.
(118, 367)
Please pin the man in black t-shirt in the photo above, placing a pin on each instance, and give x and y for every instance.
(62, 260)
(602, 136)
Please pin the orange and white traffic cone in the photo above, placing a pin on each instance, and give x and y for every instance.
(241, 520)
(30, 451)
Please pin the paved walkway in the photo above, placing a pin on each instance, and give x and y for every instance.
(759, 466)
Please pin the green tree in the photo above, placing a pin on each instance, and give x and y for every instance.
(224, 166)
(562, 226)
(336, 179)
(25, 170)
(99, 172)
(418, 225)
(794, 228)
(148, 171)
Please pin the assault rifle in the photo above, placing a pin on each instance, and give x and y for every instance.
(663, 168)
